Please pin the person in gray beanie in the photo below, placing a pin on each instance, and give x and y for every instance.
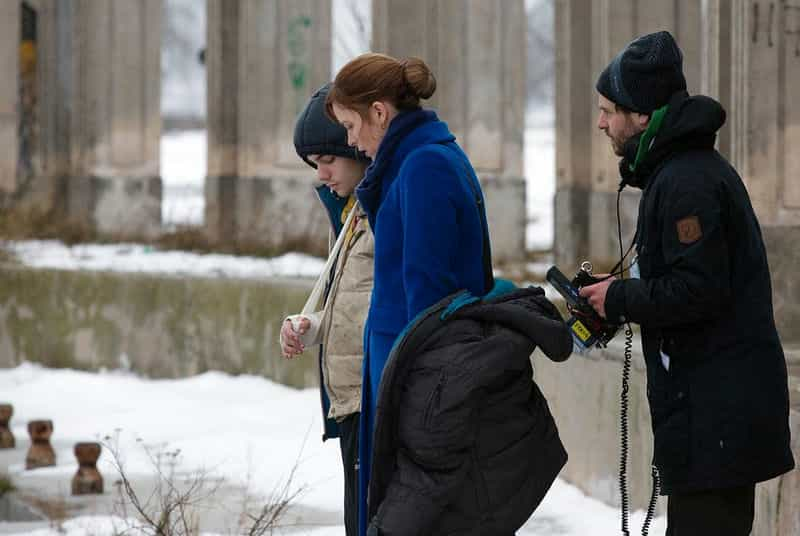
(333, 319)
(716, 372)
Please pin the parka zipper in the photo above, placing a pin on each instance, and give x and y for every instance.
(434, 398)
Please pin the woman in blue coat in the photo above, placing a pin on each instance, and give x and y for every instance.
(423, 202)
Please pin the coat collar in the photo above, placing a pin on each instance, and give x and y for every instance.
(407, 131)
(334, 205)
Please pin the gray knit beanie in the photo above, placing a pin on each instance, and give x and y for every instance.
(645, 74)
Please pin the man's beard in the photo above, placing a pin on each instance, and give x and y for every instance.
(617, 146)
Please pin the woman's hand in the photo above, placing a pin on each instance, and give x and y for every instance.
(291, 345)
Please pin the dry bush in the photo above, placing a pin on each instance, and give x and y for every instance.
(172, 508)
(32, 223)
(6, 485)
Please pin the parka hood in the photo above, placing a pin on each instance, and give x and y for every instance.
(690, 123)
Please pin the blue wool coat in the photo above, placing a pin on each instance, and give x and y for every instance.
(419, 195)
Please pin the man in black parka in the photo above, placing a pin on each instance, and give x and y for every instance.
(716, 374)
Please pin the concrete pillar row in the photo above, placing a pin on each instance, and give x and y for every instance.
(476, 49)
(264, 60)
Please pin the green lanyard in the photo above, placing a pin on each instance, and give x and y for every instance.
(646, 141)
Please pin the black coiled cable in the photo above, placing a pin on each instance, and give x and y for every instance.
(651, 507)
(623, 430)
(623, 413)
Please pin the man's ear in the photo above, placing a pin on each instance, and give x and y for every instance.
(643, 121)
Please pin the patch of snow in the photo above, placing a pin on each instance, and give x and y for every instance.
(141, 258)
(244, 428)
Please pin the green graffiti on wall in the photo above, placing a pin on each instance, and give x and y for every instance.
(296, 42)
(298, 58)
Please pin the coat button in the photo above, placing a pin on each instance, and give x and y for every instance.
(721, 444)
(680, 395)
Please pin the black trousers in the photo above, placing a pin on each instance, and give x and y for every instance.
(727, 512)
(348, 440)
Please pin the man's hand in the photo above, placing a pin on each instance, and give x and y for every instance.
(596, 294)
(291, 346)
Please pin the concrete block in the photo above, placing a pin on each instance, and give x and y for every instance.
(159, 326)
(571, 241)
(584, 396)
(506, 216)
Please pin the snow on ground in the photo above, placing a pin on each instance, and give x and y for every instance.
(146, 259)
(244, 428)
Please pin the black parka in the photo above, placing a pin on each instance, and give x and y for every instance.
(720, 411)
(464, 441)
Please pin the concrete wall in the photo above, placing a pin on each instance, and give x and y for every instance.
(584, 396)
(158, 326)
(476, 49)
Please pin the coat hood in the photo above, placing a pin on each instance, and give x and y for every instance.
(525, 311)
(691, 123)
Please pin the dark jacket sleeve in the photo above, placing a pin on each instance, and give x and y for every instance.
(693, 284)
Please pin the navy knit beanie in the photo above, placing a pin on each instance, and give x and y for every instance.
(644, 76)
(315, 133)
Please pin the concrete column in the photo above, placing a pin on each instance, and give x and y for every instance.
(33, 179)
(476, 51)
(589, 35)
(614, 25)
(113, 88)
(764, 134)
(715, 80)
(264, 59)
(9, 54)
(575, 113)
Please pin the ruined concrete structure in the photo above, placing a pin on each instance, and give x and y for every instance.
(80, 124)
(746, 54)
(79, 111)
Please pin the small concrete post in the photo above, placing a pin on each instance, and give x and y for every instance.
(41, 453)
(88, 480)
(6, 437)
